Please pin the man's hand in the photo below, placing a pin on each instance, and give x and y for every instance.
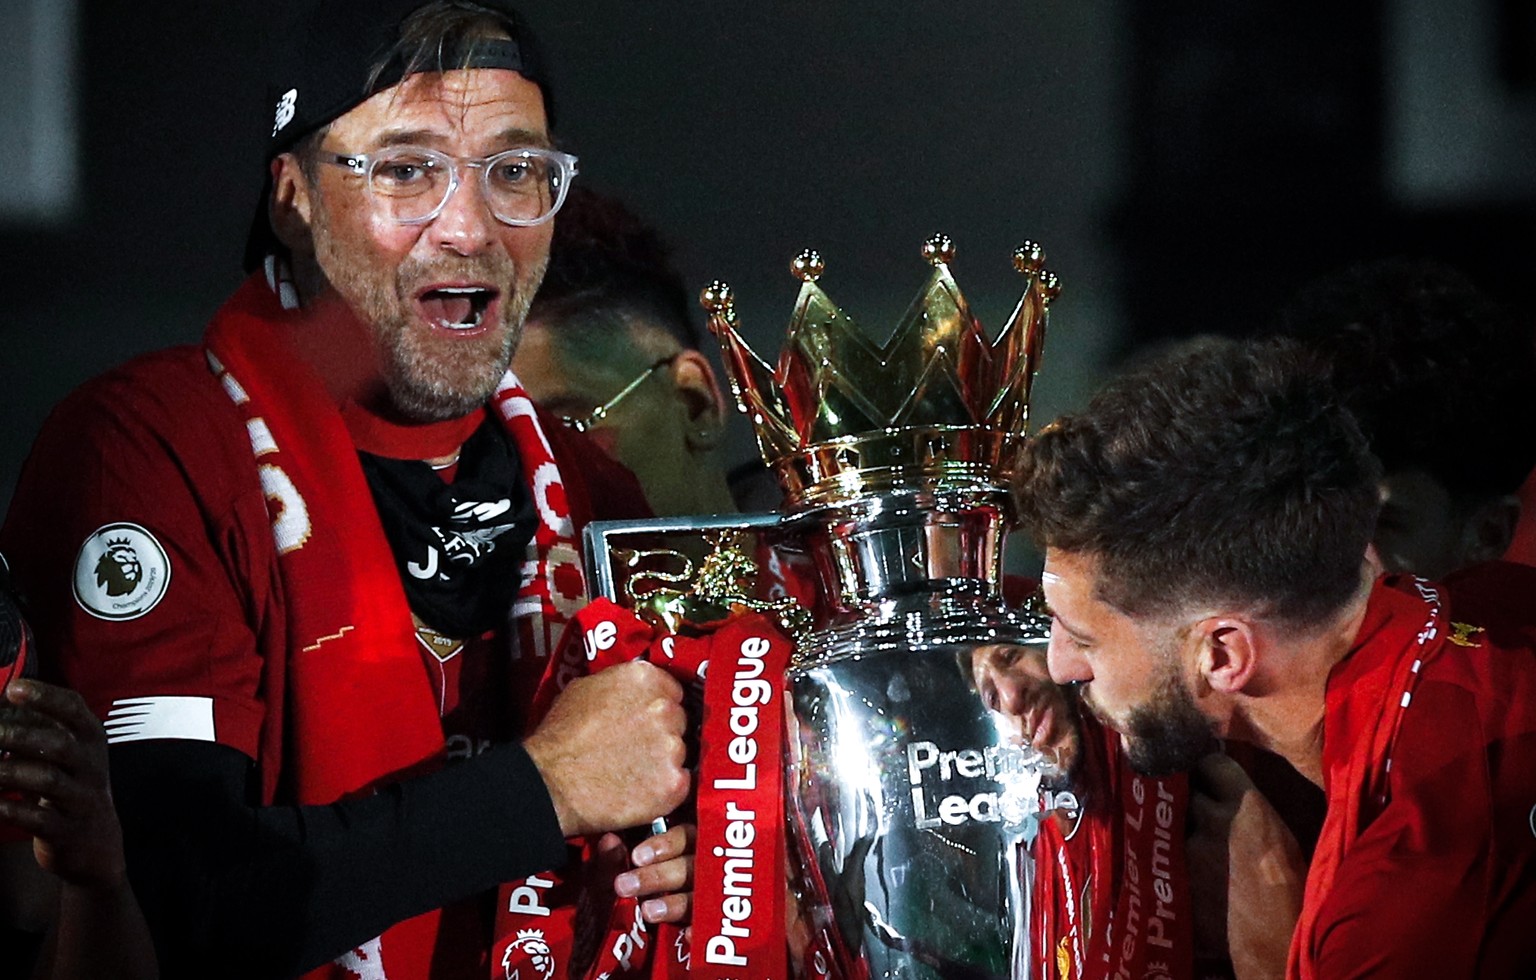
(55, 784)
(662, 875)
(611, 749)
(1246, 871)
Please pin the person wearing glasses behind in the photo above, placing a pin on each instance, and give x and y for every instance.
(611, 346)
(311, 573)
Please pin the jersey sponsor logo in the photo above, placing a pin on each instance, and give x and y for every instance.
(529, 951)
(121, 572)
(464, 545)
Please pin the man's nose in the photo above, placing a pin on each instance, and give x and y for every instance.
(465, 224)
(1066, 662)
(1011, 699)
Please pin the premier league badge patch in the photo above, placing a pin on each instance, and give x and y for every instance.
(121, 572)
(529, 950)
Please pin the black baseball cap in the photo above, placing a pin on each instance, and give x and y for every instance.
(323, 59)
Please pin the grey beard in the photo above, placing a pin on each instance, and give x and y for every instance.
(426, 385)
(434, 399)
(426, 390)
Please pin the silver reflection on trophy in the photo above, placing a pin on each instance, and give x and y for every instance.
(921, 756)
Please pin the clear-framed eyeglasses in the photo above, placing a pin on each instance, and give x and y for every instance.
(589, 421)
(411, 184)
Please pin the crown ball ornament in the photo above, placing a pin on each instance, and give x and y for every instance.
(1029, 258)
(807, 266)
(718, 298)
(939, 249)
(1050, 287)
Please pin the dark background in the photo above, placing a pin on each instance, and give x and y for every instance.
(1186, 164)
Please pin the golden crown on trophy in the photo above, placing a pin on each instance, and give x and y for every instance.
(938, 407)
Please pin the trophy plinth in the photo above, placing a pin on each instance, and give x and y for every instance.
(914, 796)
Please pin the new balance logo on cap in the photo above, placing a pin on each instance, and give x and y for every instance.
(285, 110)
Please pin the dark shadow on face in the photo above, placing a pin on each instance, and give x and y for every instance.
(1168, 733)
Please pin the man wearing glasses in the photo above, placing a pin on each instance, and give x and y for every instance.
(611, 346)
(312, 572)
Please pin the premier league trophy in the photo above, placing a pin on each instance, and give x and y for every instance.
(915, 792)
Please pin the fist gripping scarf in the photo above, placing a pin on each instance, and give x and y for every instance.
(358, 707)
(738, 908)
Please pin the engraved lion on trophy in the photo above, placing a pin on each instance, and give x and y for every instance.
(688, 603)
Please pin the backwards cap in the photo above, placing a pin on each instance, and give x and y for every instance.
(323, 61)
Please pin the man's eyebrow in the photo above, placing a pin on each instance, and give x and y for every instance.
(513, 137)
(408, 137)
(1077, 633)
(516, 136)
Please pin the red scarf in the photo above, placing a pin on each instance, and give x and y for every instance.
(558, 924)
(357, 706)
(1111, 893)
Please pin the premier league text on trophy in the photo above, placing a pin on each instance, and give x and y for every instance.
(748, 691)
(1000, 766)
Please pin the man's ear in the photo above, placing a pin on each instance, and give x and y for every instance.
(291, 204)
(1229, 653)
(703, 404)
(1489, 528)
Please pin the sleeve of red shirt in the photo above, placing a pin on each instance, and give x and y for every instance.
(157, 445)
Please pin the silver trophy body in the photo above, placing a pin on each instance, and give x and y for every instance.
(913, 804)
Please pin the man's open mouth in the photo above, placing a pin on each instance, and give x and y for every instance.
(457, 307)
